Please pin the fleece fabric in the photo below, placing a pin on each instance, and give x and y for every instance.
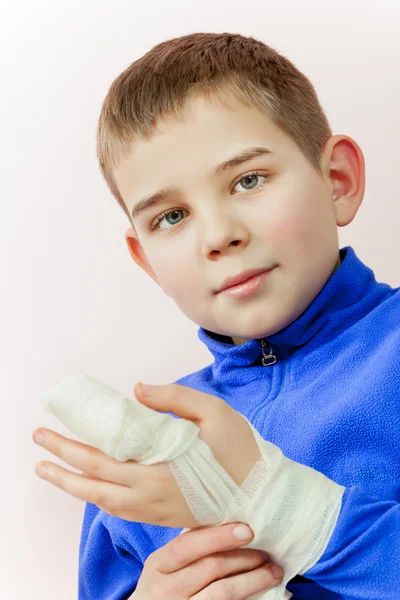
(326, 391)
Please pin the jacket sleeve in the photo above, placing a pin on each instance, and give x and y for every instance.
(362, 558)
(107, 569)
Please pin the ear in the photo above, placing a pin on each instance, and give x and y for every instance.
(343, 163)
(137, 253)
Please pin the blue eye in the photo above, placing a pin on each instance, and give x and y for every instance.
(251, 176)
(172, 214)
(175, 211)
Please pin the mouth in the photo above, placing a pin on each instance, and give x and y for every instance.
(245, 283)
(240, 278)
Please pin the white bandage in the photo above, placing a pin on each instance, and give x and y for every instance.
(291, 508)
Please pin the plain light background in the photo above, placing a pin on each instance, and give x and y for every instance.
(72, 300)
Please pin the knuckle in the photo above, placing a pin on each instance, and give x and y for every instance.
(150, 568)
(99, 499)
(93, 464)
(175, 554)
(150, 562)
(213, 565)
(158, 558)
(159, 587)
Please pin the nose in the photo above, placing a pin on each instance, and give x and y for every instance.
(221, 233)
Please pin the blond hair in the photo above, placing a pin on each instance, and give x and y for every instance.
(223, 65)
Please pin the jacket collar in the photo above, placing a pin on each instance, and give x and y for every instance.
(347, 296)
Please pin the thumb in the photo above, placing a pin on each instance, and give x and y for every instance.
(179, 399)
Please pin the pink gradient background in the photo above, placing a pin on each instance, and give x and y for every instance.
(71, 298)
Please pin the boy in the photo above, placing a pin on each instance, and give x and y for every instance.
(219, 153)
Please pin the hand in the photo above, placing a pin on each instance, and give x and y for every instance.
(199, 565)
(149, 493)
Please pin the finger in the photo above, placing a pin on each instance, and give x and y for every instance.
(182, 400)
(195, 544)
(240, 587)
(89, 460)
(112, 496)
(201, 573)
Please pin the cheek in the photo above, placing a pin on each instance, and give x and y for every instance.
(297, 222)
(284, 225)
(177, 277)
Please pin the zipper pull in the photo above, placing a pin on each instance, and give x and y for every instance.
(268, 359)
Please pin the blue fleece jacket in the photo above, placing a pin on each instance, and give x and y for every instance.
(331, 401)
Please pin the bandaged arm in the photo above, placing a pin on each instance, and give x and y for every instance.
(291, 508)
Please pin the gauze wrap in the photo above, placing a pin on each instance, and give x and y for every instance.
(291, 508)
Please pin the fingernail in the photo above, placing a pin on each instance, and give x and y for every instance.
(42, 471)
(242, 532)
(146, 389)
(38, 438)
(276, 571)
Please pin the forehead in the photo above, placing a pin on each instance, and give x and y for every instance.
(194, 143)
(201, 124)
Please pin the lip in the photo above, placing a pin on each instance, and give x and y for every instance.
(241, 278)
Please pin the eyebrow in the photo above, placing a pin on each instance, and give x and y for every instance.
(166, 192)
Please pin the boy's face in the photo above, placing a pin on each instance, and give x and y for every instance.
(221, 225)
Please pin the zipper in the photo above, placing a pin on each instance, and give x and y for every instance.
(269, 359)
